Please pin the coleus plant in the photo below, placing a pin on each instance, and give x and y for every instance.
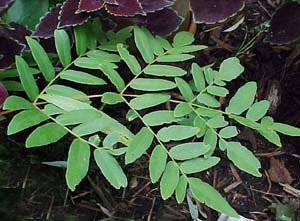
(158, 15)
(181, 124)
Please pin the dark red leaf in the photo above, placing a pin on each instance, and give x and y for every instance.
(114, 2)
(90, 5)
(162, 22)
(47, 25)
(4, 5)
(16, 32)
(154, 5)
(212, 11)
(9, 48)
(69, 16)
(3, 94)
(285, 24)
(125, 8)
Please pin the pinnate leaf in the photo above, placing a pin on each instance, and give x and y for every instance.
(16, 103)
(149, 100)
(183, 38)
(63, 47)
(110, 168)
(143, 44)
(140, 143)
(157, 118)
(243, 98)
(188, 151)
(258, 110)
(157, 163)
(129, 59)
(184, 89)
(180, 191)
(198, 77)
(198, 164)
(27, 79)
(78, 163)
(205, 193)
(45, 134)
(230, 69)
(24, 120)
(228, 132)
(176, 132)
(81, 77)
(164, 70)
(148, 84)
(286, 129)
(111, 98)
(41, 58)
(169, 180)
(243, 158)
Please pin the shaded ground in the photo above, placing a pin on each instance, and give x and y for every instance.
(30, 189)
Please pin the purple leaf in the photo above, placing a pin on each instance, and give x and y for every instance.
(16, 32)
(4, 5)
(125, 8)
(69, 17)
(162, 22)
(90, 5)
(8, 49)
(212, 11)
(3, 94)
(47, 25)
(154, 5)
(113, 2)
(285, 24)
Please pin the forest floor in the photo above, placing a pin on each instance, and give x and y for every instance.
(37, 191)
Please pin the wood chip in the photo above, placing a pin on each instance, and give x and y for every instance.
(278, 172)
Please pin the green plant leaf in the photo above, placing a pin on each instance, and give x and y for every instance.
(201, 124)
(209, 74)
(41, 58)
(174, 57)
(103, 56)
(51, 109)
(148, 84)
(188, 151)
(244, 121)
(65, 103)
(66, 91)
(228, 132)
(198, 164)
(180, 191)
(27, 79)
(230, 69)
(17, 103)
(78, 116)
(184, 89)
(211, 139)
(139, 144)
(217, 122)
(205, 193)
(208, 100)
(182, 109)
(129, 59)
(113, 76)
(111, 98)
(78, 163)
(198, 77)
(169, 180)
(242, 99)
(143, 44)
(286, 129)
(81, 77)
(161, 117)
(110, 168)
(13, 85)
(81, 39)
(164, 70)
(243, 158)
(186, 49)
(217, 91)
(131, 115)
(258, 110)
(157, 163)
(176, 132)
(63, 47)
(24, 120)
(148, 100)
(270, 134)
(183, 38)
(45, 134)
